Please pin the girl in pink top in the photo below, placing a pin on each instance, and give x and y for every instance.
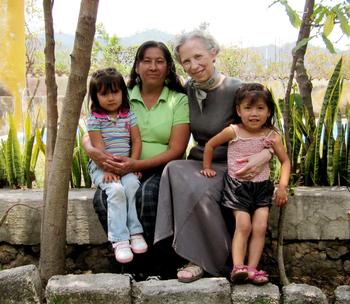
(250, 200)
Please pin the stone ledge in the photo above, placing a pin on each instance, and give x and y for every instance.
(207, 290)
(22, 285)
(305, 219)
(303, 294)
(89, 289)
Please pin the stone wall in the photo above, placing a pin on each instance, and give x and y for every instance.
(316, 251)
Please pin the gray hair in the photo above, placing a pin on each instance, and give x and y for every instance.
(208, 41)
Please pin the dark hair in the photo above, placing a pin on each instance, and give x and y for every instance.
(172, 81)
(104, 81)
(253, 92)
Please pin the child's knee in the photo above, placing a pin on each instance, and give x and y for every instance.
(244, 228)
(115, 190)
(259, 228)
(131, 184)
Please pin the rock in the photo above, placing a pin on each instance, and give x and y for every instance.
(20, 285)
(7, 254)
(303, 294)
(342, 294)
(208, 291)
(89, 289)
(251, 294)
(336, 253)
(347, 266)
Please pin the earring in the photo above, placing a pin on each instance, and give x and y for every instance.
(138, 80)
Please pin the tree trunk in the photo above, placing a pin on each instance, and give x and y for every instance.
(53, 240)
(305, 88)
(302, 78)
(51, 90)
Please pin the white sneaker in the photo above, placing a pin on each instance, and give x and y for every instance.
(122, 252)
(138, 243)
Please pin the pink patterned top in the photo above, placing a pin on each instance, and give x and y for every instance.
(245, 146)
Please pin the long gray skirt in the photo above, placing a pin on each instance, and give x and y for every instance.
(189, 210)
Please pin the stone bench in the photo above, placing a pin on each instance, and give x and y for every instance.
(315, 213)
(317, 233)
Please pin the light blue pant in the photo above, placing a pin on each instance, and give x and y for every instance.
(121, 207)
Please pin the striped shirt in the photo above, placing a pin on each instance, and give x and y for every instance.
(115, 132)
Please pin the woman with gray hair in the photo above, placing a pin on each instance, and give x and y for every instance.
(188, 203)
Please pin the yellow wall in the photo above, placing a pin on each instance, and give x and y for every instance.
(12, 51)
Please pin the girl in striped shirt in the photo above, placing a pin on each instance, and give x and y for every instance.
(113, 128)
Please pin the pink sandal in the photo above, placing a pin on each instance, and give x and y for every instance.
(239, 274)
(257, 277)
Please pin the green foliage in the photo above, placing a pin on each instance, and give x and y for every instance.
(293, 16)
(13, 156)
(325, 18)
(27, 153)
(80, 163)
(3, 176)
(320, 156)
(18, 160)
(107, 51)
(57, 300)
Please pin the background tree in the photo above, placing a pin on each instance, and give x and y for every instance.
(107, 50)
(53, 239)
(32, 45)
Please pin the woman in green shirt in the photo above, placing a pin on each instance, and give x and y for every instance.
(158, 99)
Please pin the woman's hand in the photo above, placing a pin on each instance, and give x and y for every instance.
(208, 172)
(99, 157)
(120, 165)
(254, 164)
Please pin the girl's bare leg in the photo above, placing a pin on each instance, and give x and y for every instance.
(241, 236)
(257, 240)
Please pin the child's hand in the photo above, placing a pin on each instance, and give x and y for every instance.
(281, 196)
(138, 174)
(208, 172)
(109, 177)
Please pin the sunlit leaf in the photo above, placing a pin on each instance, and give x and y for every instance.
(292, 14)
(302, 43)
(344, 23)
(329, 24)
(328, 44)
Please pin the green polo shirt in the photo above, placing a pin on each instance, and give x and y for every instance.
(155, 124)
